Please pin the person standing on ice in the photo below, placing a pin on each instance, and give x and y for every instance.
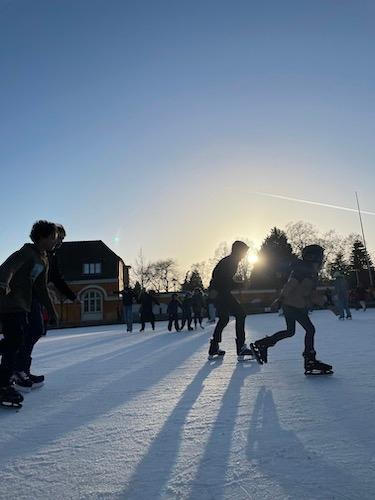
(128, 298)
(342, 296)
(187, 311)
(197, 303)
(173, 307)
(296, 298)
(147, 300)
(22, 275)
(220, 289)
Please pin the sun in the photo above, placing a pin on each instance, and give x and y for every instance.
(252, 258)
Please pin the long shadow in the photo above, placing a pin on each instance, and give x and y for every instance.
(88, 345)
(209, 481)
(281, 456)
(153, 472)
(97, 402)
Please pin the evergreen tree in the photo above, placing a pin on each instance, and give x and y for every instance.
(340, 265)
(275, 258)
(192, 280)
(360, 262)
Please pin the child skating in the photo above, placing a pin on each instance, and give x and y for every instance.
(296, 298)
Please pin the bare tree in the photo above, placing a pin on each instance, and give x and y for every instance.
(163, 274)
(301, 234)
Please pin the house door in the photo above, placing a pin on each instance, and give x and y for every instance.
(92, 306)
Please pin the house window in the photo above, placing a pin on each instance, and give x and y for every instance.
(92, 268)
(92, 302)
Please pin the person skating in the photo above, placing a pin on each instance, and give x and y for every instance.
(187, 309)
(172, 310)
(342, 296)
(128, 299)
(147, 300)
(23, 274)
(296, 297)
(198, 304)
(220, 288)
(37, 324)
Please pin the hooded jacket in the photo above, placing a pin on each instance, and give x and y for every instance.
(23, 274)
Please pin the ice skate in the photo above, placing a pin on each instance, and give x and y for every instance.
(315, 367)
(214, 351)
(260, 349)
(37, 380)
(22, 382)
(10, 398)
(244, 353)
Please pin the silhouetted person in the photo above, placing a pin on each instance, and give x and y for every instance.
(147, 300)
(187, 311)
(342, 296)
(173, 307)
(128, 299)
(198, 304)
(220, 287)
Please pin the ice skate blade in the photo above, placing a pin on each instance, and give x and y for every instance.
(37, 386)
(19, 388)
(246, 357)
(317, 373)
(256, 354)
(215, 356)
(10, 406)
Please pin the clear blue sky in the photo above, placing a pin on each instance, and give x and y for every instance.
(153, 123)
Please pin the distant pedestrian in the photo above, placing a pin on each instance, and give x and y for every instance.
(173, 307)
(187, 311)
(147, 300)
(342, 296)
(128, 299)
(198, 304)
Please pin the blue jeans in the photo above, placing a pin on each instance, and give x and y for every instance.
(128, 317)
(343, 306)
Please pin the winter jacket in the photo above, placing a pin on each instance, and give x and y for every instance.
(147, 302)
(23, 274)
(173, 307)
(341, 288)
(197, 302)
(187, 305)
(300, 289)
(128, 296)
(222, 275)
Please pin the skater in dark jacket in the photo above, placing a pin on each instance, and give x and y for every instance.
(296, 298)
(22, 275)
(342, 296)
(198, 304)
(128, 299)
(147, 300)
(36, 324)
(220, 289)
(173, 307)
(187, 309)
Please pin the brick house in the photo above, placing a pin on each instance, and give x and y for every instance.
(94, 272)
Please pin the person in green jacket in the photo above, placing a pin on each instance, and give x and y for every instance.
(22, 275)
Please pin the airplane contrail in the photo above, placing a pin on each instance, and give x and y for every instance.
(309, 202)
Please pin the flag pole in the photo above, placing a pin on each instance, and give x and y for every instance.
(364, 240)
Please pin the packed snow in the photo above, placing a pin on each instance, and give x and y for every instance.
(146, 416)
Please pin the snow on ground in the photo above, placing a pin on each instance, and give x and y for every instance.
(146, 416)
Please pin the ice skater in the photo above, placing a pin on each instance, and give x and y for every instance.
(22, 275)
(187, 315)
(147, 300)
(172, 310)
(296, 298)
(342, 296)
(23, 378)
(220, 288)
(198, 303)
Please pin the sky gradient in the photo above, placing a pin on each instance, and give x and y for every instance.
(158, 124)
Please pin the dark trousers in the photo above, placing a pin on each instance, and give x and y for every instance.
(186, 317)
(197, 316)
(34, 331)
(226, 305)
(292, 316)
(147, 317)
(14, 331)
(173, 318)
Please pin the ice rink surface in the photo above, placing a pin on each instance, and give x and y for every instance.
(146, 416)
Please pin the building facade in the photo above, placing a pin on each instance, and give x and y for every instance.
(95, 273)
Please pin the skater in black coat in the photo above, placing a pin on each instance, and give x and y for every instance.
(220, 289)
(148, 300)
(198, 304)
(173, 307)
(187, 309)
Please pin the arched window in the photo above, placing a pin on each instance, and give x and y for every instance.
(92, 305)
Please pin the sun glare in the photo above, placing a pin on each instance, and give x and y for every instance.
(252, 258)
